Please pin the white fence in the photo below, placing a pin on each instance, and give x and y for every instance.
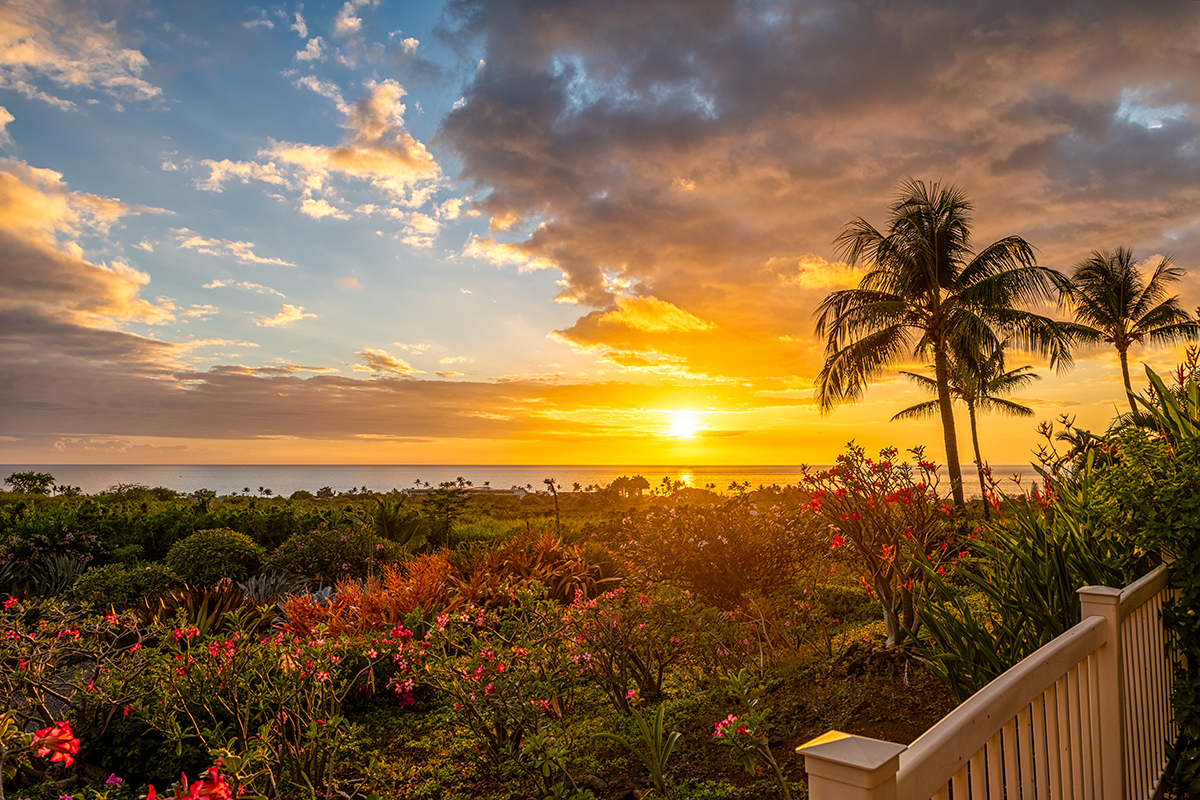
(1086, 717)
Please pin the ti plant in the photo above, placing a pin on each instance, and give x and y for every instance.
(656, 750)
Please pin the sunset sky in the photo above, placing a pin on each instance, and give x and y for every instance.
(512, 231)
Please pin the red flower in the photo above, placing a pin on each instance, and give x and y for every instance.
(59, 740)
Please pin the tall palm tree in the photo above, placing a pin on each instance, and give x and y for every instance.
(979, 382)
(1117, 305)
(926, 293)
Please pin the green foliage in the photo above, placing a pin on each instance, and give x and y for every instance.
(393, 519)
(272, 704)
(1152, 493)
(892, 520)
(656, 748)
(1026, 570)
(30, 482)
(504, 670)
(120, 585)
(333, 553)
(54, 576)
(443, 506)
(27, 548)
(207, 556)
(626, 642)
(722, 551)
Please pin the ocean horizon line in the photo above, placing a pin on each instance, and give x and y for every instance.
(286, 479)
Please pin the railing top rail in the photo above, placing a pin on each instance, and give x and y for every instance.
(1136, 594)
(941, 751)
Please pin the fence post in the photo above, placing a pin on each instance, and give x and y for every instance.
(1104, 601)
(845, 767)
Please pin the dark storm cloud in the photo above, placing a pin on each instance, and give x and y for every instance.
(690, 151)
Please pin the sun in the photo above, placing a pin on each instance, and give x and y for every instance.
(685, 424)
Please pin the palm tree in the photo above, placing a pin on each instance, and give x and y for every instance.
(927, 294)
(1118, 306)
(978, 382)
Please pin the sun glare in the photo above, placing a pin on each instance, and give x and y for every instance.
(684, 424)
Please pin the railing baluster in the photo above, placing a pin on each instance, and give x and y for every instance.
(1086, 731)
(1025, 752)
(1075, 717)
(1012, 781)
(994, 758)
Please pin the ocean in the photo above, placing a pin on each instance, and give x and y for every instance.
(284, 480)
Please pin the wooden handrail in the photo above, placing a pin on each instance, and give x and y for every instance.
(945, 747)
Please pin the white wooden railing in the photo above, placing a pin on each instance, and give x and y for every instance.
(1087, 717)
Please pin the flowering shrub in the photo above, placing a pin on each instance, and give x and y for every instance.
(333, 553)
(25, 551)
(503, 670)
(207, 556)
(86, 668)
(55, 741)
(720, 552)
(626, 642)
(890, 516)
(280, 696)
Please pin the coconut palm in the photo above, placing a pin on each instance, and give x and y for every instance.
(927, 294)
(1117, 305)
(978, 382)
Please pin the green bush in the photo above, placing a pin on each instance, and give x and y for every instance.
(207, 556)
(333, 553)
(121, 585)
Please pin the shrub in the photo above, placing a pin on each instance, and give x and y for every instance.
(891, 518)
(207, 556)
(332, 553)
(119, 585)
(720, 552)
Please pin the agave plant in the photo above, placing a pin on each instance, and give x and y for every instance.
(209, 610)
(55, 575)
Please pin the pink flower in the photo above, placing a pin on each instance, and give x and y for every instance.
(720, 730)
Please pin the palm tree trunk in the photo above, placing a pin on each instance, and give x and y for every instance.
(987, 510)
(941, 370)
(1125, 374)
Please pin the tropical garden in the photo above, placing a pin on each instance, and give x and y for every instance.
(621, 641)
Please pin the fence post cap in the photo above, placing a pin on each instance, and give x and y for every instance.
(1098, 591)
(837, 754)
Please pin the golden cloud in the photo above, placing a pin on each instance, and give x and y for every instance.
(379, 361)
(67, 45)
(242, 251)
(653, 316)
(288, 314)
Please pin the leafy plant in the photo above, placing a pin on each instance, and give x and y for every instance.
(892, 519)
(120, 585)
(395, 521)
(30, 482)
(722, 551)
(656, 750)
(207, 610)
(1026, 572)
(329, 553)
(627, 642)
(207, 556)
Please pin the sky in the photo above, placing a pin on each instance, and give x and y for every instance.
(522, 231)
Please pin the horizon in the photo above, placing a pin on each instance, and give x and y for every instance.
(390, 233)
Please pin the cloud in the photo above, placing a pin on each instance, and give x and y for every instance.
(347, 23)
(377, 152)
(378, 361)
(454, 360)
(448, 374)
(244, 171)
(253, 287)
(300, 26)
(313, 51)
(348, 283)
(653, 315)
(64, 46)
(44, 270)
(288, 314)
(242, 251)
(258, 23)
(710, 156)
(418, 349)
(200, 312)
(5, 118)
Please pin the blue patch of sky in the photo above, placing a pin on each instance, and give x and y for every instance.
(1139, 107)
